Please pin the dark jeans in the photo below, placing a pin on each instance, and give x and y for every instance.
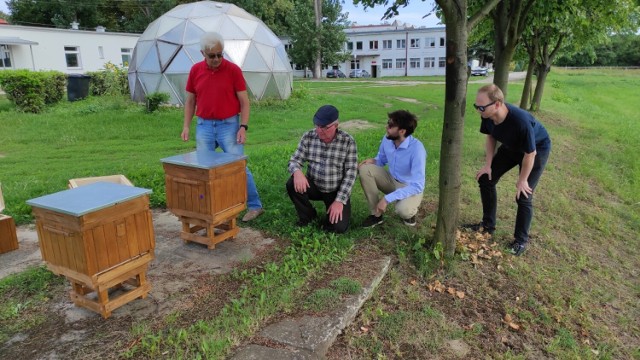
(306, 211)
(503, 161)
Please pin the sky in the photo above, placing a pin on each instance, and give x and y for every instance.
(412, 14)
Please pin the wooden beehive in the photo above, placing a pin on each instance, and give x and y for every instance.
(8, 235)
(117, 179)
(210, 186)
(93, 228)
(100, 237)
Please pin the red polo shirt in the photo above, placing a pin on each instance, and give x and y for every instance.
(216, 89)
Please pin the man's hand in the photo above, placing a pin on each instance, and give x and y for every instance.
(335, 212)
(523, 188)
(300, 182)
(241, 136)
(381, 207)
(185, 134)
(368, 161)
(485, 170)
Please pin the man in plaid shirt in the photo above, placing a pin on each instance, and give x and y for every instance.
(332, 160)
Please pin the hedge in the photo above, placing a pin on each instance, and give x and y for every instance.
(31, 91)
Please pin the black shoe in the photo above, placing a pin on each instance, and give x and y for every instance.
(517, 248)
(410, 221)
(481, 228)
(303, 223)
(372, 221)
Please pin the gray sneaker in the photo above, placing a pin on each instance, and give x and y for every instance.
(410, 221)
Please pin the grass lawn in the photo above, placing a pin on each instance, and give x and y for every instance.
(575, 293)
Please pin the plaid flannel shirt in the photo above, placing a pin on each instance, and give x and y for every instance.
(332, 166)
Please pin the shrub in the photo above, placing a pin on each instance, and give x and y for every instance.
(31, 91)
(155, 99)
(112, 80)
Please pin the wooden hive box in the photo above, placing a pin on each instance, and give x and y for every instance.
(210, 186)
(117, 179)
(8, 235)
(93, 228)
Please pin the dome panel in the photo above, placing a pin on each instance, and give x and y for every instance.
(150, 62)
(166, 52)
(257, 82)
(151, 31)
(181, 64)
(211, 23)
(140, 51)
(179, 84)
(168, 24)
(236, 50)
(249, 26)
(180, 11)
(165, 87)
(230, 30)
(194, 52)
(150, 82)
(254, 61)
(268, 53)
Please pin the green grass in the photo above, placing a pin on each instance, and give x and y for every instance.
(564, 292)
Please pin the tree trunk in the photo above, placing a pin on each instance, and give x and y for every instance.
(317, 69)
(543, 71)
(453, 128)
(528, 82)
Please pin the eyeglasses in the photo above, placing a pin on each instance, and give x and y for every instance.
(482, 108)
(215, 55)
(326, 128)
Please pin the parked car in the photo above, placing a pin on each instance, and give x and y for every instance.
(335, 73)
(479, 71)
(359, 73)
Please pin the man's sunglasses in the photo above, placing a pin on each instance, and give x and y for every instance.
(215, 55)
(482, 108)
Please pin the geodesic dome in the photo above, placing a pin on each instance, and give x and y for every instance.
(170, 45)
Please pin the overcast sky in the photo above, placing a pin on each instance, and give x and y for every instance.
(411, 14)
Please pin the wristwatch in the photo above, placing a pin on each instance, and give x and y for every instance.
(246, 127)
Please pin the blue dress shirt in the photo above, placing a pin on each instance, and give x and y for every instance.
(407, 164)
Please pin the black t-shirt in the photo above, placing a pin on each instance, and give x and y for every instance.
(519, 131)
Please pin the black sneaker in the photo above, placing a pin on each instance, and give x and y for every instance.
(372, 221)
(410, 221)
(481, 228)
(517, 248)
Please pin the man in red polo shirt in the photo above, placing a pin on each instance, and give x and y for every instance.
(217, 95)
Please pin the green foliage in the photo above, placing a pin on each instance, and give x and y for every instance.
(31, 91)
(154, 100)
(618, 50)
(345, 285)
(322, 299)
(112, 80)
(307, 40)
(29, 282)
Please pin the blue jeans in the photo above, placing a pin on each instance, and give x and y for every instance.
(503, 161)
(211, 134)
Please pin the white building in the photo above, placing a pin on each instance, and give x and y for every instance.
(396, 50)
(64, 50)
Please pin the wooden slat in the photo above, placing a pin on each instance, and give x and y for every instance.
(122, 241)
(102, 253)
(8, 235)
(112, 244)
(133, 237)
(90, 251)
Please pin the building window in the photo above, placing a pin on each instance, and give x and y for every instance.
(287, 47)
(401, 44)
(72, 55)
(429, 62)
(401, 63)
(349, 45)
(414, 63)
(5, 57)
(359, 45)
(100, 52)
(430, 42)
(441, 42)
(386, 44)
(387, 63)
(414, 43)
(373, 45)
(126, 56)
(442, 62)
(355, 64)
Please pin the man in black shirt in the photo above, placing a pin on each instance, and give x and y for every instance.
(525, 142)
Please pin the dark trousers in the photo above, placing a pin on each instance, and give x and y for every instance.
(503, 161)
(306, 211)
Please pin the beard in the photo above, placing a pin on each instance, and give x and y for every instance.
(393, 137)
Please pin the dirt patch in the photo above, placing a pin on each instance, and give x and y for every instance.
(357, 124)
(181, 275)
(409, 100)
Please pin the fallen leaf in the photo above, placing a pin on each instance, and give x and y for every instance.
(451, 290)
(460, 294)
(514, 326)
(413, 282)
(364, 329)
(507, 318)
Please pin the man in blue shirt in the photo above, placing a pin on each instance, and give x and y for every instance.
(525, 143)
(403, 182)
